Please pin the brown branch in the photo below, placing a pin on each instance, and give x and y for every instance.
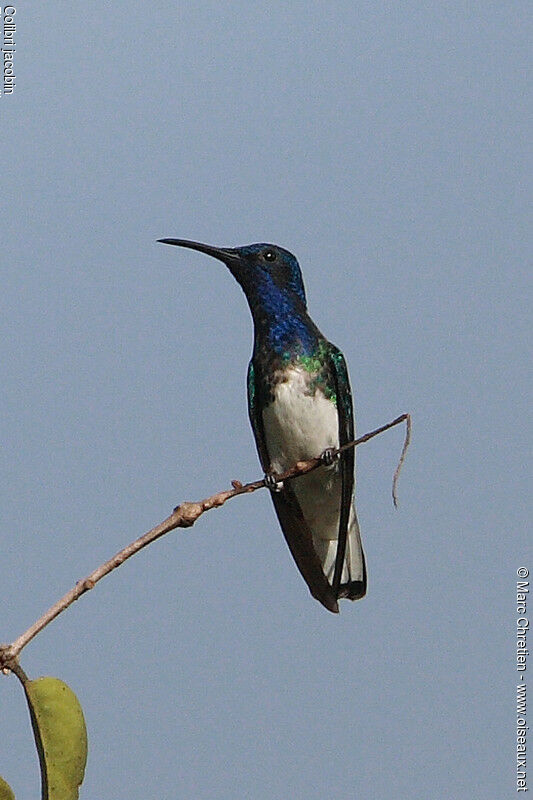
(407, 442)
(184, 516)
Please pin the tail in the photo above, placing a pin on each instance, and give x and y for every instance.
(353, 579)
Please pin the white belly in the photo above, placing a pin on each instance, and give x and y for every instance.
(299, 426)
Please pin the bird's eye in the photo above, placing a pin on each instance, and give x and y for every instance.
(269, 255)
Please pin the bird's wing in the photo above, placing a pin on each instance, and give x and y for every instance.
(256, 420)
(343, 399)
(291, 519)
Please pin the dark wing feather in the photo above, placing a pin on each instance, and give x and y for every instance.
(300, 541)
(290, 515)
(343, 397)
(256, 420)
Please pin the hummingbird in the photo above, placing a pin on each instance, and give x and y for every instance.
(300, 407)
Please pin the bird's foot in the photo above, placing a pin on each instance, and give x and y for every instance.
(329, 456)
(271, 482)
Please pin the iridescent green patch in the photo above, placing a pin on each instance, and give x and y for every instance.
(251, 384)
(315, 365)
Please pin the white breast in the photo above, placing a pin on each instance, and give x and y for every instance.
(298, 425)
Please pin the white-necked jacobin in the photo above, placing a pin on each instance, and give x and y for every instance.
(300, 407)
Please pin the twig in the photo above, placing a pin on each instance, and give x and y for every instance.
(184, 516)
(406, 444)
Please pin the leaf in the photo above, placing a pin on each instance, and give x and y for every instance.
(60, 736)
(6, 793)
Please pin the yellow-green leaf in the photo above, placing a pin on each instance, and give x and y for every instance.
(6, 793)
(60, 735)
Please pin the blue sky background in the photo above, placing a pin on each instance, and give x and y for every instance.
(385, 144)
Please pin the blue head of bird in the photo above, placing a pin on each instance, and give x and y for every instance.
(271, 279)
